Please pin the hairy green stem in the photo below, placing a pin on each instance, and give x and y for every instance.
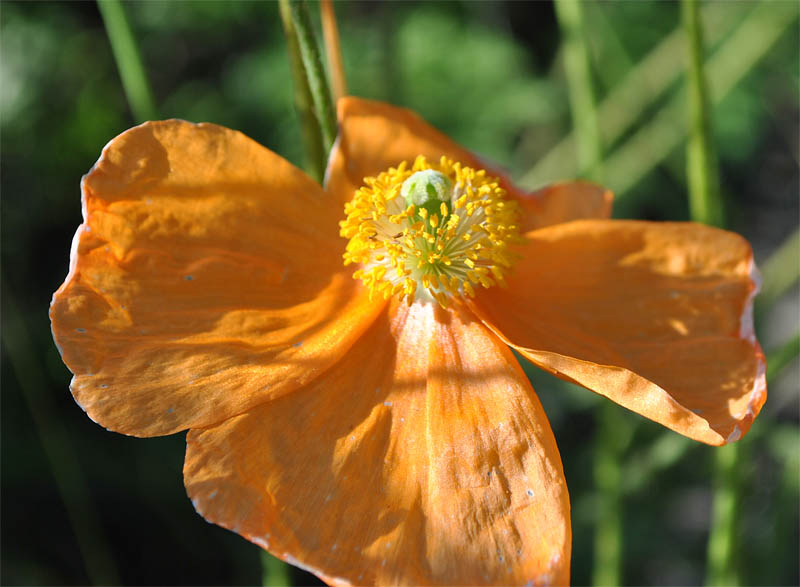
(705, 202)
(623, 168)
(705, 206)
(644, 83)
(579, 80)
(722, 567)
(748, 44)
(315, 73)
(129, 61)
(612, 438)
(315, 151)
(612, 428)
(274, 572)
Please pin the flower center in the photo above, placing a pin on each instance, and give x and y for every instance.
(430, 232)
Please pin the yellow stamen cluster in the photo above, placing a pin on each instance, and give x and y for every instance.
(459, 240)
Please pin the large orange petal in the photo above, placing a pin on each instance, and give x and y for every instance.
(655, 316)
(423, 457)
(206, 278)
(374, 136)
(564, 202)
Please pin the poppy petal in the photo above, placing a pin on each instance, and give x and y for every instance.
(206, 278)
(422, 457)
(563, 202)
(374, 136)
(655, 316)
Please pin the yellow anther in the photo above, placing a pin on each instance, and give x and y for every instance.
(398, 246)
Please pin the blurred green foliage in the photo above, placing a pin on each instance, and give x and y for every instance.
(488, 74)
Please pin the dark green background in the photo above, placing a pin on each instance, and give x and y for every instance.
(82, 505)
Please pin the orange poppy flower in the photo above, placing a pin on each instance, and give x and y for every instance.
(356, 427)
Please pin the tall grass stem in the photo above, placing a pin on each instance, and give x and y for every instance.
(129, 60)
(315, 72)
(722, 565)
(705, 206)
(705, 202)
(274, 572)
(333, 49)
(746, 43)
(569, 14)
(315, 152)
(611, 440)
(612, 429)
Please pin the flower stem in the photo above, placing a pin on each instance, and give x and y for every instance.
(722, 568)
(315, 152)
(750, 41)
(274, 572)
(333, 49)
(579, 80)
(613, 431)
(643, 84)
(705, 202)
(705, 206)
(129, 61)
(315, 73)
(611, 440)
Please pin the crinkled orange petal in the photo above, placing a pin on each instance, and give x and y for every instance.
(206, 278)
(563, 202)
(422, 457)
(374, 136)
(655, 316)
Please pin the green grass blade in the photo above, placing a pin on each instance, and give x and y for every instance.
(315, 73)
(315, 152)
(129, 61)
(705, 202)
(643, 84)
(274, 572)
(751, 41)
(579, 80)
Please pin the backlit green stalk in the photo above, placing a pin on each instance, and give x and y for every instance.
(764, 25)
(579, 80)
(722, 567)
(274, 572)
(705, 202)
(705, 206)
(315, 151)
(624, 103)
(724, 564)
(315, 73)
(129, 61)
(611, 440)
(612, 430)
